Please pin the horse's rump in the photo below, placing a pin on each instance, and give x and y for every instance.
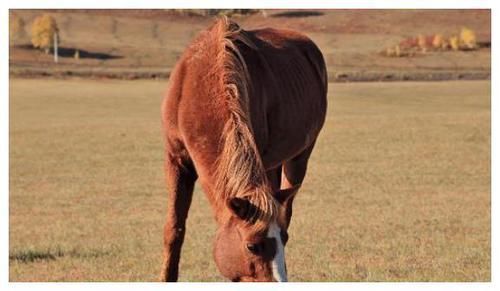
(286, 91)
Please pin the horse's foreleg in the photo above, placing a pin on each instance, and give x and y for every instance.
(180, 178)
(274, 177)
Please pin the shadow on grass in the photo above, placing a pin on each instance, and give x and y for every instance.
(28, 256)
(31, 255)
(298, 13)
(69, 52)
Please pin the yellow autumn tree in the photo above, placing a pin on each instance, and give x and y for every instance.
(468, 38)
(43, 32)
(422, 44)
(437, 41)
(454, 43)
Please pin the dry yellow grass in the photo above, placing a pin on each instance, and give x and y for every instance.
(398, 187)
(16, 29)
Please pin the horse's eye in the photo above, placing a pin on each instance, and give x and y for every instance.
(254, 248)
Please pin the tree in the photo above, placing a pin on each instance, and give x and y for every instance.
(44, 33)
(16, 29)
(468, 38)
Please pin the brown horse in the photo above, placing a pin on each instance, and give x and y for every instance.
(242, 114)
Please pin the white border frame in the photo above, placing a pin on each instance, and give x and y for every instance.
(269, 4)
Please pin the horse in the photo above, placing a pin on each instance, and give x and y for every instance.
(241, 114)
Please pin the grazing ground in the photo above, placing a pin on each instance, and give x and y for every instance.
(398, 187)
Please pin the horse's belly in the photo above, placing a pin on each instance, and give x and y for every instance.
(285, 147)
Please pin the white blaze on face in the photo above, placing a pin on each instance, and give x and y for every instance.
(278, 262)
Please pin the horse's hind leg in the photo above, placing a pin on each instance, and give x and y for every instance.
(294, 171)
(180, 178)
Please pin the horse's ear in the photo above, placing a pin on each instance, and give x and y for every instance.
(284, 195)
(240, 207)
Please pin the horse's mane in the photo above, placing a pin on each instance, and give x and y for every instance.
(240, 172)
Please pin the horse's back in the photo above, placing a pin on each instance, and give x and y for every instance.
(287, 94)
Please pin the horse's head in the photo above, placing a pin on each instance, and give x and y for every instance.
(246, 253)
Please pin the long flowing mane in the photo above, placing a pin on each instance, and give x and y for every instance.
(240, 171)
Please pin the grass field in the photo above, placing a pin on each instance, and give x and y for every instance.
(398, 187)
